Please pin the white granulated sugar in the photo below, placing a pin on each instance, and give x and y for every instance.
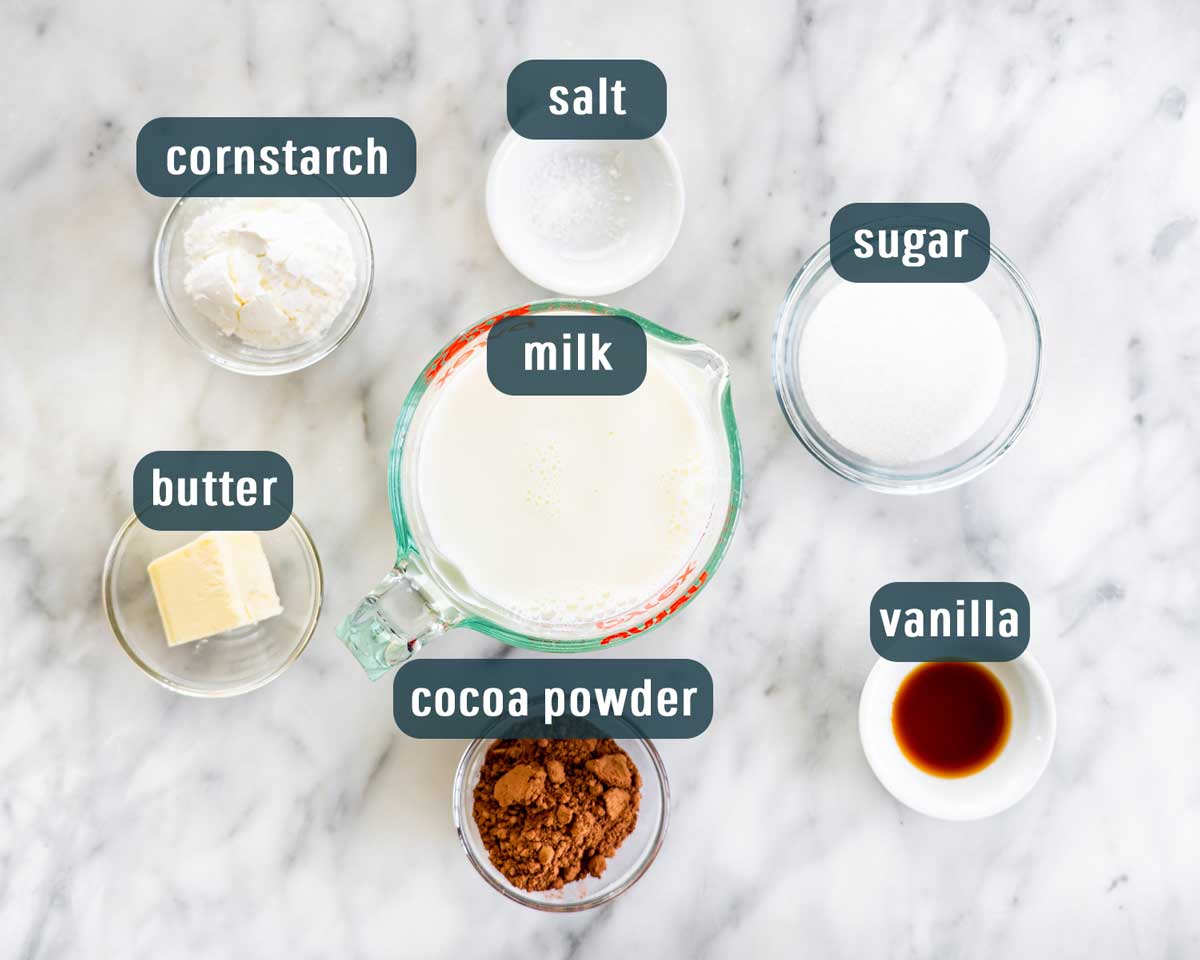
(901, 373)
(581, 199)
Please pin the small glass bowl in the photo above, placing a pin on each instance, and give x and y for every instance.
(633, 857)
(227, 664)
(1006, 294)
(170, 268)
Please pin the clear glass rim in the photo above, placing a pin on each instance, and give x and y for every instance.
(918, 483)
(241, 366)
(106, 593)
(406, 548)
(588, 903)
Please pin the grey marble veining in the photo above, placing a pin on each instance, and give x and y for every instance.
(297, 822)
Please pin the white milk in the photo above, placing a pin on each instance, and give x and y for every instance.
(566, 509)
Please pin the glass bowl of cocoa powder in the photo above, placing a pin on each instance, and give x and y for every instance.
(561, 825)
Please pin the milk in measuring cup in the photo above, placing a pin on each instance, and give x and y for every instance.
(567, 509)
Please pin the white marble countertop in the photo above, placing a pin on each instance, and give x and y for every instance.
(297, 821)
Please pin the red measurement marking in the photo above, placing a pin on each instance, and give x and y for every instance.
(662, 614)
(650, 604)
(461, 343)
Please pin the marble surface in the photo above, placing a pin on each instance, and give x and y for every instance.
(297, 822)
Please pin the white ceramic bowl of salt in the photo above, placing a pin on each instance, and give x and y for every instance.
(585, 217)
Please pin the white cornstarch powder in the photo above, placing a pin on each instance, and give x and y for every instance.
(272, 272)
(901, 372)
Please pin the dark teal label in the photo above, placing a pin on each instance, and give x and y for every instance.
(909, 242)
(212, 490)
(563, 355)
(587, 99)
(555, 698)
(276, 156)
(918, 622)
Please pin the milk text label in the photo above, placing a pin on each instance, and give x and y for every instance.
(561, 355)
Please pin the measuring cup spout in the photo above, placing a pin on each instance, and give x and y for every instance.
(391, 624)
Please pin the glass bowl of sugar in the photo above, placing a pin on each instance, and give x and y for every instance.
(907, 387)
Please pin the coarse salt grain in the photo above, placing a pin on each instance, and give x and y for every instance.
(581, 199)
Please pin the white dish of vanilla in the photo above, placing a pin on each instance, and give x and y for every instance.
(566, 510)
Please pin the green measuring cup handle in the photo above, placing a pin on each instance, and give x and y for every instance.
(391, 624)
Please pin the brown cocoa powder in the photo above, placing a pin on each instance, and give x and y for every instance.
(554, 811)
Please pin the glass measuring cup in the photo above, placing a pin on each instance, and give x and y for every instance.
(424, 595)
